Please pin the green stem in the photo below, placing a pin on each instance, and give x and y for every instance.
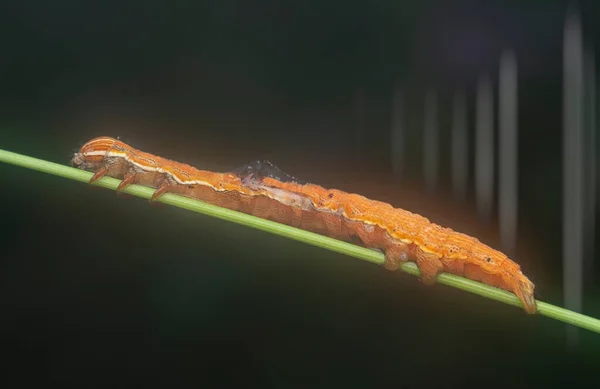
(376, 257)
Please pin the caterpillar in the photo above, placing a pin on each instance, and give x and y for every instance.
(261, 189)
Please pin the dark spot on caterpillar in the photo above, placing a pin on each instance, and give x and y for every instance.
(190, 186)
(489, 259)
(330, 195)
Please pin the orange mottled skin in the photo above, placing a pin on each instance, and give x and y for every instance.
(436, 248)
(400, 234)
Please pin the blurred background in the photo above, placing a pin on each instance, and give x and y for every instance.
(480, 115)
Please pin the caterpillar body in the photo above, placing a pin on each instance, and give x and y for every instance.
(261, 189)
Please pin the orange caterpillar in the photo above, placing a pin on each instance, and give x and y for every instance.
(260, 189)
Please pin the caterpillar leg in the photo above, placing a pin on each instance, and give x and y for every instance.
(394, 255)
(165, 187)
(99, 174)
(128, 179)
(429, 265)
(113, 167)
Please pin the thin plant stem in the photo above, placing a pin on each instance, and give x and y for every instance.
(314, 239)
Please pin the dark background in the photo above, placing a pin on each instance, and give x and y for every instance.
(99, 289)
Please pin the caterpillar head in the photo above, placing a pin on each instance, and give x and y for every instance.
(92, 153)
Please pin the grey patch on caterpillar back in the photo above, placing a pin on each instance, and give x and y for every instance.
(261, 168)
(283, 196)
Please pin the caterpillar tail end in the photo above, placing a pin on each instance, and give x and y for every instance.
(525, 293)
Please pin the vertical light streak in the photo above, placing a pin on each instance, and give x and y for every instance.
(484, 148)
(359, 128)
(573, 161)
(431, 142)
(397, 135)
(508, 153)
(460, 146)
(590, 162)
